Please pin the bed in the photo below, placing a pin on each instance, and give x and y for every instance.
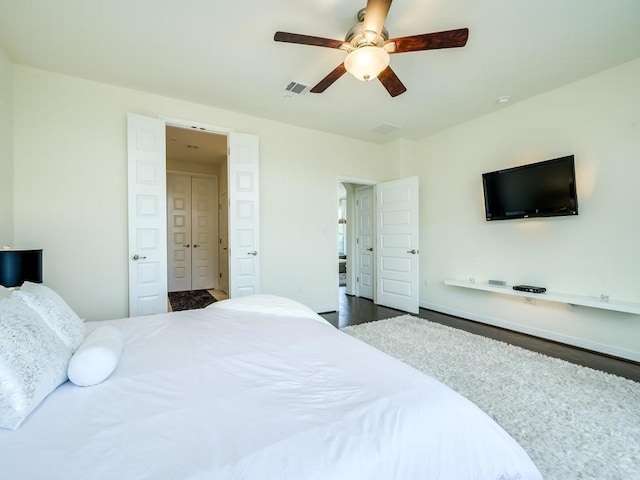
(256, 388)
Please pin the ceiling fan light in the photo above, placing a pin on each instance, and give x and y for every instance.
(366, 63)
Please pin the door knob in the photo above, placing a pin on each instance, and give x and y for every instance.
(195, 245)
(413, 251)
(254, 253)
(370, 249)
(137, 257)
(186, 246)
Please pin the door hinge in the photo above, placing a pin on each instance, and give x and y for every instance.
(357, 241)
(357, 279)
(357, 203)
(229, 151)
(220, 275)
(220, 241)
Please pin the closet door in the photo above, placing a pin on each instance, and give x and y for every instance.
(179, 232)
(223, 247)
(204, 233)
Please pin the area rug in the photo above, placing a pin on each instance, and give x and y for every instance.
(190, 300)
(573, 421)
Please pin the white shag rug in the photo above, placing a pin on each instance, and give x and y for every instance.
(573, 421)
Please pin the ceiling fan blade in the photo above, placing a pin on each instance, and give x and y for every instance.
(308, 40)
(391, 82)
(374, 17)
(430, 41)
(327, 81)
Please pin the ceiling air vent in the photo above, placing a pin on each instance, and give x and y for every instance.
(386, 128)
(297, 88)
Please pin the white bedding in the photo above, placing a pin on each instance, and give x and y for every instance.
(221, 393)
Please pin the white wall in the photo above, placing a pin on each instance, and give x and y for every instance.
(193, 167)
(6, 150)
(71, 187)
(598, 120)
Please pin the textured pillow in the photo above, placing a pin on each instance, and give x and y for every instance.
(54, 311)
(97, 357)
(33, 362)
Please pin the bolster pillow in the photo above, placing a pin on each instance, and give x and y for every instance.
(97, 357)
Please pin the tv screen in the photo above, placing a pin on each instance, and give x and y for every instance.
(543, 189)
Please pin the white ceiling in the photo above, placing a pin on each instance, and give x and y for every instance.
(195, 146)
(223, 54)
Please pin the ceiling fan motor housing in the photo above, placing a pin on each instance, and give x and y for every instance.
(355, 36)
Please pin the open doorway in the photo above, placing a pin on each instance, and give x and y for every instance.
(147, 212)
(355, 266)
(197, 213)
(382, 244)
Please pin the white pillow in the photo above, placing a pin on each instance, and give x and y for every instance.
(53, 310)
(33, 362)
(97, 357)
(4, 292)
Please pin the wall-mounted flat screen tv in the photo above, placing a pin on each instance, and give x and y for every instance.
(543, 189)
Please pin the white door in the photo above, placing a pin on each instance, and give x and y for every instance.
(244, 215)
(224, 243)
(204, 233)
(147, 215)
(364, 242)
(397, 274)
(179, 232)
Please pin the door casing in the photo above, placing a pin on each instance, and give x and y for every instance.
(158, 299)
(412, 305)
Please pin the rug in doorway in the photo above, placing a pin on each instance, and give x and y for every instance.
(190, 300)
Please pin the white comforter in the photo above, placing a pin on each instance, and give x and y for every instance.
(222, 393)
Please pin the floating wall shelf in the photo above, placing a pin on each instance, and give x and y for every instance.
(627, 307)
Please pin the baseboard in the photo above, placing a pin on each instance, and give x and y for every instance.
(537, 332)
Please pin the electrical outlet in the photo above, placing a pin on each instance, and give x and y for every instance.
(529, 300)
(604, 297)
(472, 279)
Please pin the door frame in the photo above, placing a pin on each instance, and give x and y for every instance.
(203, 128)
(351, 232)
(179, 123)
(228, 132)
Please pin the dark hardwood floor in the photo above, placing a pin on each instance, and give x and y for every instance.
(355, 310)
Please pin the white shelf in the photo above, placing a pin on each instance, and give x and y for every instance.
(592, 302)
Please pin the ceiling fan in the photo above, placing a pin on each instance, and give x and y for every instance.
(368, 47)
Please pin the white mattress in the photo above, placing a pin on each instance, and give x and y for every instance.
(221, 393)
